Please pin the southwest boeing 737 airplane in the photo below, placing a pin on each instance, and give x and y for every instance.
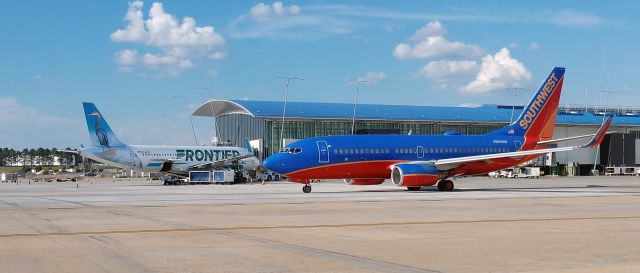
(414, 161)
(173, 160)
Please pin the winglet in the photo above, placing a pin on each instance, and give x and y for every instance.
(247, 145)
(599, 136)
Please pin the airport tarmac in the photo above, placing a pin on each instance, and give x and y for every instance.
(568, 224)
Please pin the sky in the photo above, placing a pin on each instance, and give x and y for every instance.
(140, 62)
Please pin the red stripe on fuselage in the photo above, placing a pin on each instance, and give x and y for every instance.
(357, 169)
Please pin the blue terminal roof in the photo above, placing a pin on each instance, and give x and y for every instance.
(489, 113)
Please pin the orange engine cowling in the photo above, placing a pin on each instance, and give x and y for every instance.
(414, 175)
(364, 181)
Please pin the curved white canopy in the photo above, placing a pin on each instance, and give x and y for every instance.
(217, 108)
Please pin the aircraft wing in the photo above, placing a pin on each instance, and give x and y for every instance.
(219, 163)
(451, 163)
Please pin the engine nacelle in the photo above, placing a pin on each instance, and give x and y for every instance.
(414, 175)
(364, 181)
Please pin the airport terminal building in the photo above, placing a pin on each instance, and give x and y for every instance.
(261, 122)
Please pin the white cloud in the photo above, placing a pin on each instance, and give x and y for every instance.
(572, 18)
(430, 43)
(497, 72)
(180, 43)
(280, 22)
(372, 77)
(447, 70)
(127, 56)
(458, 66)
(316, 21)
(135, 31)
(263, 12)
(433, 28)
(534, 46)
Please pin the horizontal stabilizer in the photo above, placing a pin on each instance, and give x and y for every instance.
(570, 138)
(599, 136)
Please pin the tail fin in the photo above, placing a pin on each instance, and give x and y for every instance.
(99, 131)
(538, 119)
(247, 145)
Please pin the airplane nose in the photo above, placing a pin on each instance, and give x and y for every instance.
(273, 163)
(270, 163)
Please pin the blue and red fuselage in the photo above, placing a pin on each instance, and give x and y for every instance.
(409, 159)
(372, 156)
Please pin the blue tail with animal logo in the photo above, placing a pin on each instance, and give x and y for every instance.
(99, 131)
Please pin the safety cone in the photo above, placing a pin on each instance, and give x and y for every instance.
(77, 185)
(263, 183)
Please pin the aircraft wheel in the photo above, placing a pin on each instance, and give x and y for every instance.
(441, 185)
(447, 185)
(306, 188)
(413, 188)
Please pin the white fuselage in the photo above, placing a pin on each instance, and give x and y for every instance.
(151, 158)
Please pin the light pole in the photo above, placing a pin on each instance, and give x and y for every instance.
(355, 103)
(186, 105)
(213, 112)
(284, 109)
(515, 94)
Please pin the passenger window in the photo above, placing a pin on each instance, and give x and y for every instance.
(341, 151)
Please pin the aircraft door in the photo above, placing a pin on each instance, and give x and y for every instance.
(323, 152)
(420, 151)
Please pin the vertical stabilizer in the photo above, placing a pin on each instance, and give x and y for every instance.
(99, 131)
(538, 118)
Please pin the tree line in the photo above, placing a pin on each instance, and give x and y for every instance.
(37, 157)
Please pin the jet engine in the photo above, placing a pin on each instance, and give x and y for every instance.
(364, 181)
(414, 175)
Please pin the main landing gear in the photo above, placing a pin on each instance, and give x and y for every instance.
(306, 188)
(445, 185)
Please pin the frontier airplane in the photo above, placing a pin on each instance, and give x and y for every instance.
(173, 160)
(414, 161)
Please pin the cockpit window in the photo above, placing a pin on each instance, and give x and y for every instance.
(291, 150)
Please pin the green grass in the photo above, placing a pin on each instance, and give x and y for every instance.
(10, 169)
